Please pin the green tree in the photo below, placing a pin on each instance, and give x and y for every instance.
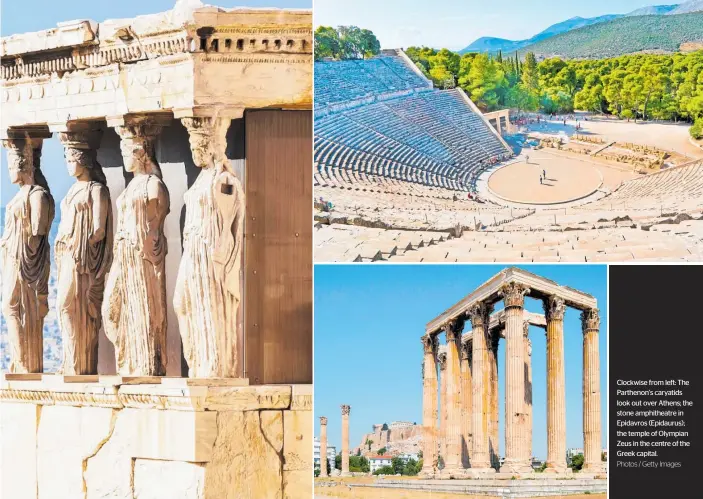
(577, 462)
(338, 461)
(359, 464)
(357, 43)
(381, 451)
(529, 75)
(384, 470)
(327, 43)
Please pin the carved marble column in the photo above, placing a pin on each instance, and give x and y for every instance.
(528, 394)
(494, 417)
(442, 361)
(590, 321)
(429, 407)
(467, 398)
(83, 251)
(208, 288)
(517, 459)
(554, 308)
(323, 447)
(345, 439)
(134, 307)
(452, 461)
(479, 314)
(24, 255)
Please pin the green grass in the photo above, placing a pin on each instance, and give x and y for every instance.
(623, 36)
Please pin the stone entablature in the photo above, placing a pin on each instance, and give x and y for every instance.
(489, 292)
(184, 61)
(66, 440)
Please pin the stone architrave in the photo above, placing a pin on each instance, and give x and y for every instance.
(429, 407)
(442, 361)
(479, 314)
(323, 447)
(134, 307)
(554, 308)
(24, 256)
(345, 439)
(517, 457)
(453, 442)
(83, 252)
(592, 463)
(466, 398)
(208, 287)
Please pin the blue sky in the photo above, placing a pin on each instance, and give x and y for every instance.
(454, 24)
(21, 16)
(368, 324)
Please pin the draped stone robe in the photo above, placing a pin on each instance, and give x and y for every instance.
(25, 280)
(208, 287)
(134, 307)
(82, 268)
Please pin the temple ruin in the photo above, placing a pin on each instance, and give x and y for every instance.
(464, 428)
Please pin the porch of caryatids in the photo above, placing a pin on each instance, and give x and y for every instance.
(517, 456)
(554, 309)
(345, 439)
(479, 315)
(453, 467)
(592, 463)
(429, 407)
(323, 447)
(442, 361)
(466, 398)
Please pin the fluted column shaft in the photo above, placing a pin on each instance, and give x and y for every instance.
(554, 309)
(467, 399)
(479, 315)
(429, 407)
(442, 359)
(345, 439)
(494, 418)
(591, 393)
(323, 447)
(452, 463)
(517, 459)
(528, 394)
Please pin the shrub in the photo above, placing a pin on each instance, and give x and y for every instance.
(696, 130)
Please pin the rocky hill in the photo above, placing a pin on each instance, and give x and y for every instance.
(626, 35)
(396, 440)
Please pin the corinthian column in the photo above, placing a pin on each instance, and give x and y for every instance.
(554, 308)
(442, 360)
(479, 315)
(429, 407)
(517, 459)
(323, 447)
(345, 439)
(592, 463)
(466, 399)
(452, 461)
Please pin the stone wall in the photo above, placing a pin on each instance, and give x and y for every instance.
(104, 440)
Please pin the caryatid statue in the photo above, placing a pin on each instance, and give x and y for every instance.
(83, 252)
(208, 287)
(24, 256)
(134, 307)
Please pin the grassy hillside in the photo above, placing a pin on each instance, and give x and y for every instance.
(622, 36)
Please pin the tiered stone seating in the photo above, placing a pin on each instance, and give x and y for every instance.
(600, 245)
(347, 243)
(678, 189)
(342, 81)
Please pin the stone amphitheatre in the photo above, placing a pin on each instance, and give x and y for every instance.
(407, 173)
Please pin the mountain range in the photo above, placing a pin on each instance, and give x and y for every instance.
(493, 45)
